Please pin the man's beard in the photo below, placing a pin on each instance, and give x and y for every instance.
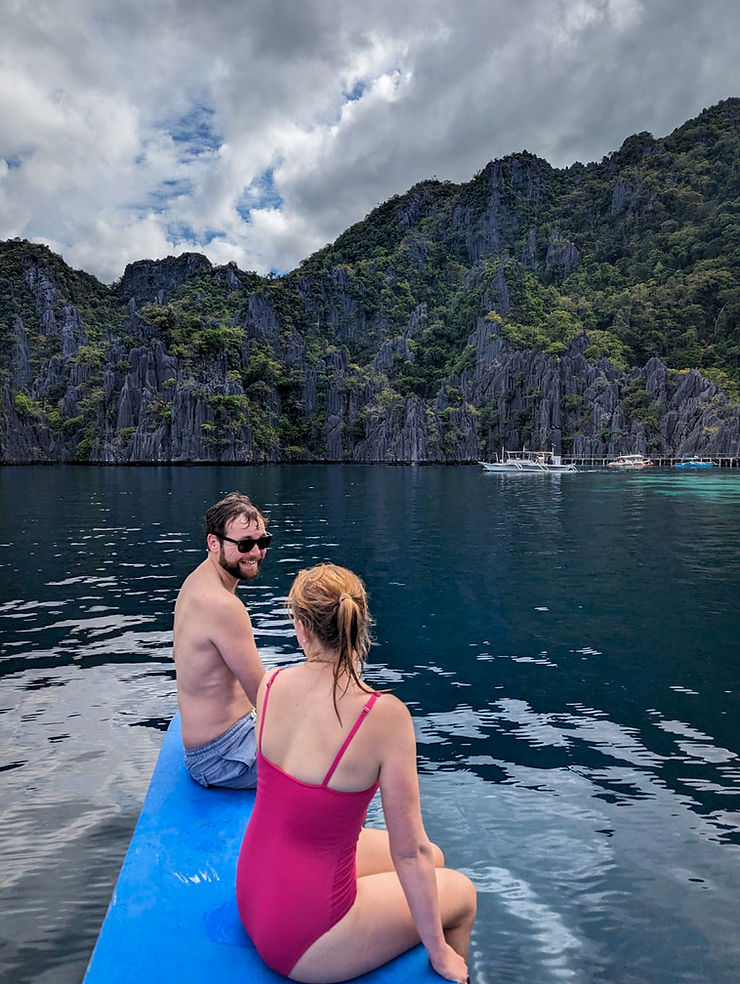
(234, 569)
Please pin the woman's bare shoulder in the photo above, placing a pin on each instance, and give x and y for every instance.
(391, 711)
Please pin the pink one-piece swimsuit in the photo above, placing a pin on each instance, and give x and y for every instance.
(296, 875)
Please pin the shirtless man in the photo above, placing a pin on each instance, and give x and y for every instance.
(216, 661)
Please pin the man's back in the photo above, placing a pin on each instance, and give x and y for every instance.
(209, 695)
(217, 665)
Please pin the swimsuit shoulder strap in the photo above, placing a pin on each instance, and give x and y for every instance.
(363, 714)
(264, 702)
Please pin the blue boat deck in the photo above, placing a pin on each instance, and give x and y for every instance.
(173, 916)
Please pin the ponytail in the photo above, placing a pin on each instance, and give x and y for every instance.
(331, 601)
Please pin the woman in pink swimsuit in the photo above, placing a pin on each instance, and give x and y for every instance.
(322, 898)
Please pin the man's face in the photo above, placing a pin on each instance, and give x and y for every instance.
(242, 566)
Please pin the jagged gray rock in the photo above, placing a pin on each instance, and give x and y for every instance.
(21, 364)
(152, 281)
(151, 409)
(342, 361)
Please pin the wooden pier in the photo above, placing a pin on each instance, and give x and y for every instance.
(585, 461)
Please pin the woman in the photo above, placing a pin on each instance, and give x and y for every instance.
(322, 898)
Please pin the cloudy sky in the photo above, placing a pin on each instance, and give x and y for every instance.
(258, 130)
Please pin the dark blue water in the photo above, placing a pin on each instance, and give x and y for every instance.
(568, 646)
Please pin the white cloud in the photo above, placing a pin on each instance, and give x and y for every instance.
(257, 131)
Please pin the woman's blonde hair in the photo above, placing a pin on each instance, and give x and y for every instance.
(332, 603)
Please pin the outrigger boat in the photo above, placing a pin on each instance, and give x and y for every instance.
(527, 462)
(173, 916)
(694, 462)
(630, 462)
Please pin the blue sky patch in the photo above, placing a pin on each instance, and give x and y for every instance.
(358, 90)
(181, 232)
(194, 132)
(261, 193)
(165, 191)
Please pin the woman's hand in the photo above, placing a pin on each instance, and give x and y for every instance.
(450, 965)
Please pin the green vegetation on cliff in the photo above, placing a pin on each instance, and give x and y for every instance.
(638, 254)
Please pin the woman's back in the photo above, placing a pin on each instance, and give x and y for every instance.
(296, 875)
(324, 746)
(302, 731)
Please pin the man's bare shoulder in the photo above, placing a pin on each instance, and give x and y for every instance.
(202, 574)
(204, 584)
(204, 596)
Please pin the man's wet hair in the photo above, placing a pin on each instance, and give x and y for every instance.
(232, 506)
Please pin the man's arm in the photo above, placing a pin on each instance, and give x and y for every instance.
(232, 635)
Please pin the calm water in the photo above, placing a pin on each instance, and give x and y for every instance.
(568, 646)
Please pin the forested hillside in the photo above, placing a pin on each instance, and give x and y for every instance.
(594, 309)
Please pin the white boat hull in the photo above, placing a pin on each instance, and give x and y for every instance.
(630, 462)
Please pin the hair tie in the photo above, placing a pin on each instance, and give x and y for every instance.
(342, 597)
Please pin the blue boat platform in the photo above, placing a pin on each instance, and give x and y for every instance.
(694, 462)
(173, 917)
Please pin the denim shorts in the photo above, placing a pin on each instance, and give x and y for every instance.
(229, 760)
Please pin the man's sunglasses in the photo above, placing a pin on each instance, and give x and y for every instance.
(247, 544)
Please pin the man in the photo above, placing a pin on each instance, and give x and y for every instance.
(217, 665)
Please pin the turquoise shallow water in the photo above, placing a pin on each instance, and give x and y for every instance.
(568, 646)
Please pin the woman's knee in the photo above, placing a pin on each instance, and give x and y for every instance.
(457, 895)
(470, 895)
(437, 855)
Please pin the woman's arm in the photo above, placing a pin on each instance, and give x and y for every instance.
(411, 849)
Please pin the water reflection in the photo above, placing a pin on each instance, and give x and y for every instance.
(568, 648)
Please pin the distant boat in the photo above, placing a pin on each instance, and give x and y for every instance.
(630, 462)
(527, 462)
(694, 462)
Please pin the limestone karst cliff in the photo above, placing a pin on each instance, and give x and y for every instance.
(593, 309)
